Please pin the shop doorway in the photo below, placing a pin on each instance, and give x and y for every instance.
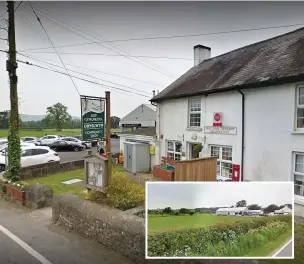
(194, 150)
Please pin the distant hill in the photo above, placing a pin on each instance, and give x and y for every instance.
(25, 117)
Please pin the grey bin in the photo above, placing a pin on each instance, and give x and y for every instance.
(137, 157)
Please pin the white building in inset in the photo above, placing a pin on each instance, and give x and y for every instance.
(286, 211)
(232, 211)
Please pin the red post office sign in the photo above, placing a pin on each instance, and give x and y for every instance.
(217, 119)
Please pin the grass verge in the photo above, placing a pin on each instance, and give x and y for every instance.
(271, 246)
(298, 249)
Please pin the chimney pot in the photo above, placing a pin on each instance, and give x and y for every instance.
(201, 53)
(153, 93)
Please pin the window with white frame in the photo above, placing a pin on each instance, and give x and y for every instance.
(300, 108)
(224, 160)
(174, 150)
(298, 173)
(195, 109)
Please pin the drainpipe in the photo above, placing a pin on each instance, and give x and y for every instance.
(243, 136)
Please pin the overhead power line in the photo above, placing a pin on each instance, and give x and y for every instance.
(83, 79)
(87, 75)
(54, 47)
(98, 43)
(110, 55)
(174, 36)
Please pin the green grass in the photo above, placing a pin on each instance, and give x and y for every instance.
(169, 223)
(36, 133)
(271, 246)
(298, 249)
(55, 181)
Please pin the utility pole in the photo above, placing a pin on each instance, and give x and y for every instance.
(108, 134)
(14, 152)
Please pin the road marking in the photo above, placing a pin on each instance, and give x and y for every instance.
(25, 246)
(284, 246)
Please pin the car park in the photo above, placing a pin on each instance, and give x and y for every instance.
(31, 155)
(61, 145)
(34, 140)
(114, 135)
(93, 142)
(49, 139)
(86, 144)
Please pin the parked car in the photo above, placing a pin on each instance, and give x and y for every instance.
(114, 135)
(34, 140)
(3, 147)
(86, 144)
(3, 141)
(93, 142)
(32, 155)
(49, 139)
(62, 145)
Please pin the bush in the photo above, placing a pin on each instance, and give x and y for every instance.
(122, 193)
(209, 239)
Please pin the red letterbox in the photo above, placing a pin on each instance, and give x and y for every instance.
(235, 172)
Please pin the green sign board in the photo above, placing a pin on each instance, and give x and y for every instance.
(93, 117)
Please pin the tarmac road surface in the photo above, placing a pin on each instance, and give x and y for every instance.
(285, 250)
(71, 156)
(29, 237)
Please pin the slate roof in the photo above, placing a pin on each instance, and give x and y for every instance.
(147, 131)
(273, 61)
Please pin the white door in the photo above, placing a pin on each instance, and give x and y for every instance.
(27, 158)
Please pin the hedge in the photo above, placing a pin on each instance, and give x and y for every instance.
(181, 242)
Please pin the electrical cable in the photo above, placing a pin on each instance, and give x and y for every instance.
(97, 43)
(83, 79)
(87, 75)
(54, 47)
(174, 36)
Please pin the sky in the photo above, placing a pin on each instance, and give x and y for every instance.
(100, 21)
(217, 194)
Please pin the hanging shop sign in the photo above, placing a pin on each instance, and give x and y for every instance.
(221, 130)
(93, 117)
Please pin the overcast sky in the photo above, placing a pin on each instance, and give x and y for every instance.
(39, 88)
(197, 195)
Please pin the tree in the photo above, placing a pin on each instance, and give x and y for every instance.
(57, 115)
(271, 208)
(4, 119)
(115, 121)
(183, 210)
(167, 210)
(241, 203)
(254, 207)
(191, 212)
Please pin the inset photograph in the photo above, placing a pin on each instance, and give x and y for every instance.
(248, 220)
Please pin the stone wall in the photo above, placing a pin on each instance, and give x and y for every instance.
(124, 232)
(49, 168)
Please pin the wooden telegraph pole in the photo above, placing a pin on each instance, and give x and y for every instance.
(108, 134)
(14, 152)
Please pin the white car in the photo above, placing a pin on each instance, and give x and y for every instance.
(32, 155)
(3, 147)
(48, 140)
(34, 140)
(76, 140)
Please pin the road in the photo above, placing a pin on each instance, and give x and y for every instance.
(29, 237)
(71, 156)
(284, 251)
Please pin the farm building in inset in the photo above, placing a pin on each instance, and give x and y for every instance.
(285, 211)
(232, 211)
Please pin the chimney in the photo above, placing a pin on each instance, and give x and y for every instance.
(201, 53)
(153, 93)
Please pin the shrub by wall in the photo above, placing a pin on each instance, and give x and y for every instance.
(203, 240)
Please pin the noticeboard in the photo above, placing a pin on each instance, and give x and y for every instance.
(92, 117)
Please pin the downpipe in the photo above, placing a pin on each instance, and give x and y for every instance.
(243, 134)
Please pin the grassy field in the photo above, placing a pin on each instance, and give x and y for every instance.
(158, 223)
(35, 133)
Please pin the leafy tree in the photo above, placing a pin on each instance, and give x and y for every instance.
(271, 208)
(57, 115)
(254, 207)
(183, 210)
(191, 212)
(241, 203)
(4, 119)
(167, 210)
(115, 121)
